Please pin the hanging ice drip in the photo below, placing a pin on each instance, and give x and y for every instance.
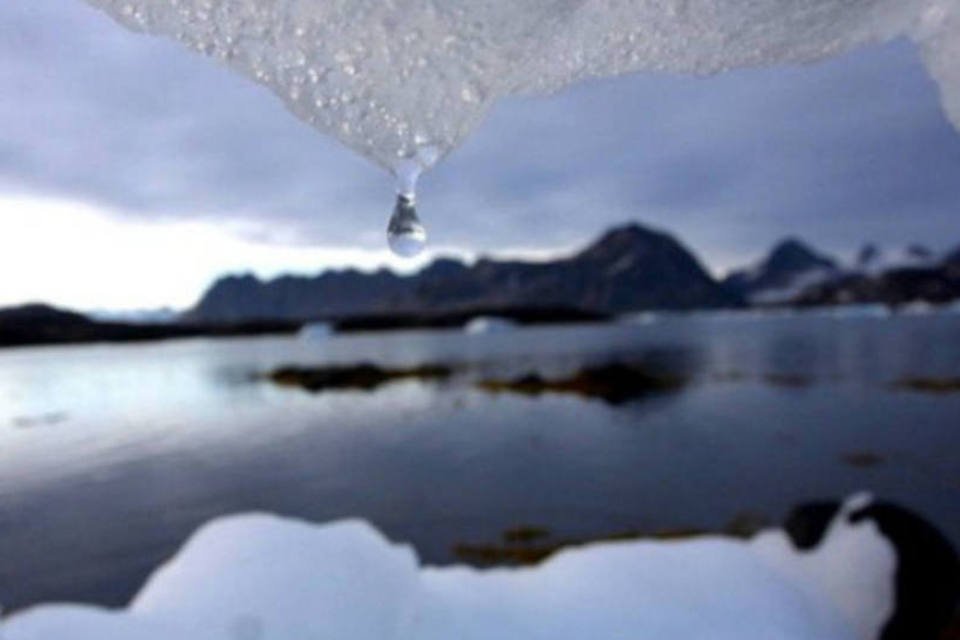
(406, 235)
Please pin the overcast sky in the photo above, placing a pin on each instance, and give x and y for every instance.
(133, 172)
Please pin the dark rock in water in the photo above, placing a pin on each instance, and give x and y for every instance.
(629, 268)
(927, 580)
(928, 573)
(929, 385)
(807, 524)
(364, 377)
(613, 383)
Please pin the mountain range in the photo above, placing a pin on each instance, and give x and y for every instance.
(33, 324)
(794, 274)
(629, 268)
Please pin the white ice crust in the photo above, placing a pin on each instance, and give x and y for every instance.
(261, 577)
(406, 80)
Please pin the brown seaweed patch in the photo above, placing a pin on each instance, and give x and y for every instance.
(364, 376)
(614, 383)
(746, 524)
(525, 534)
(929, 384)
(530, 545)
(495, 554)
(512, 553)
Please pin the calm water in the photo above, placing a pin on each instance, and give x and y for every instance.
(111, 455)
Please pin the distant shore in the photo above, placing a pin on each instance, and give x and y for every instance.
(38, 324)
(32, 325)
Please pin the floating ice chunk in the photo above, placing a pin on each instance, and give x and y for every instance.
(406, 81)
(258, 577)
(315, 331)
(917, 308)
(489, 324)
(641, 317)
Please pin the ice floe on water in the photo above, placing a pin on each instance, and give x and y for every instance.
(404, 82)
(482, 325)
(260, 577)
(316, 331)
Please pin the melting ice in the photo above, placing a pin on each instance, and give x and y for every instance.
(404, 82)
(406, 235)
(391, 79)
(259, 577)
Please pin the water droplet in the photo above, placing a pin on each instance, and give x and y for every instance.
(406, 235)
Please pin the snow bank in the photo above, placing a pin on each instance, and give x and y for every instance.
(259, 577)
(404, 82)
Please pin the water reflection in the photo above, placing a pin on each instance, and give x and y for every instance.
(156, 439)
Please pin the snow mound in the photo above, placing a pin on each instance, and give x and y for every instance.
(260, 577)
(404, 82)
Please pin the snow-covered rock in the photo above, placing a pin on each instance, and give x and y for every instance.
(874, 260)
(790, 268)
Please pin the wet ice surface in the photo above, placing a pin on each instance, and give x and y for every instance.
(407, 81)
(256, 576)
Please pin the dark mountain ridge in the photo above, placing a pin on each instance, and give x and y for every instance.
(629, 268)
(35, 324)
(793, 274)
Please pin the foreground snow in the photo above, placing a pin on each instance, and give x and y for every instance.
(259, 576)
